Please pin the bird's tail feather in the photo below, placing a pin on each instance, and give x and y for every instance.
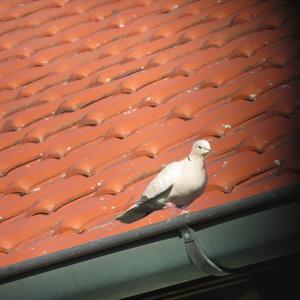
(133, 214)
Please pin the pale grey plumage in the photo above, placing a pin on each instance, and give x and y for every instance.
(179, 183)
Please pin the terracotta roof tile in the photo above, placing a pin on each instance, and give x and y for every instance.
(97, 96)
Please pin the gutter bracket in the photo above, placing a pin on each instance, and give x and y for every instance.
(197, 255)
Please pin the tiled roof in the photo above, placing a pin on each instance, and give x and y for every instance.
(96, 96)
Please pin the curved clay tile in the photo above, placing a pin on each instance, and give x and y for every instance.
(97, 96)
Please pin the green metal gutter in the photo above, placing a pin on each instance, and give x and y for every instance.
(218, 241)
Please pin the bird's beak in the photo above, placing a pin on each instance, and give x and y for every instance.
(207, 150)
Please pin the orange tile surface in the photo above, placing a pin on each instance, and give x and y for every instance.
(96, 96)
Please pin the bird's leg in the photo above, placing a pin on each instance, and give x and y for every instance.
(169, 205)
(183, 209)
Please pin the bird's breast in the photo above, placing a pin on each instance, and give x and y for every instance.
(189, 183)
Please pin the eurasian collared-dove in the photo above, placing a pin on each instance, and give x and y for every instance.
(178, 184)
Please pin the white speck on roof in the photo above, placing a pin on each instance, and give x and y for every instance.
(227, 126)
(252, 96)
(277, 162)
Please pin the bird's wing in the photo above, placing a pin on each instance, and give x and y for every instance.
(157, 187)
(163, 180)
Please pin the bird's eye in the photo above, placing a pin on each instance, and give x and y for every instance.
(199, 147)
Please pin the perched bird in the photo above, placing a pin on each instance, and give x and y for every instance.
(177, 185)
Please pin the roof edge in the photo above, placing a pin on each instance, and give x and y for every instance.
(216, 214)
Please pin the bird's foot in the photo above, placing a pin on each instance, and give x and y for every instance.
(184, 211)
(169, 205)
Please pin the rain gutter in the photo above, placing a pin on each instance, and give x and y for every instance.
(215, 242)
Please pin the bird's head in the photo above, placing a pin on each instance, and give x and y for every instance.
(201, 148)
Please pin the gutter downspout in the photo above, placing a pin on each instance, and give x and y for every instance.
(198, 256)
